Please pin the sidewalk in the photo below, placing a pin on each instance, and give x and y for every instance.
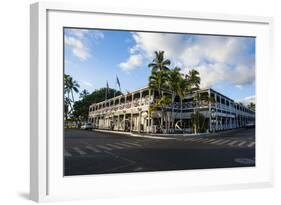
(224, 133)
(153, 136)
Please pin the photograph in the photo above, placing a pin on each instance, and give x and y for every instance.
(145, 101)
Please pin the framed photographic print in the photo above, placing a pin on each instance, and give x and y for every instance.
(127, 102)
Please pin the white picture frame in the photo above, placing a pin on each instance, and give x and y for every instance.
(47, 182)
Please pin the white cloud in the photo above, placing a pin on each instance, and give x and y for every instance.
(133, 61)
(97, 34)
(218, 58)
(79, 40)
(248, 100)
(79, 33)
(87, 83)
(77, 47)
(214, 73)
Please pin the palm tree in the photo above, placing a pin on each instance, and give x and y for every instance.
(162, 102)
(159, 63)
(83, 94)
(193, 79)
(183, 90)
(158, 82)
(159, 76)
(173, 83)
(200, 100)
(67, 103)
(70, 86)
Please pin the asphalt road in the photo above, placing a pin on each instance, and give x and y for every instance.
(93, 152)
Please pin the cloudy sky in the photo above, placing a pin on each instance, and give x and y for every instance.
(225, 63)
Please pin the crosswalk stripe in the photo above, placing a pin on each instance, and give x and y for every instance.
(67, 154)
(211, 140)
(104, 147)
(233, 142)
(198, 140)
(251, 144)
(215, 142)
(223, 142)
(190, 139)
(114, 146)
(242, 143)
(81, 152)
(93, 149)
(130, 143)
(125, 145)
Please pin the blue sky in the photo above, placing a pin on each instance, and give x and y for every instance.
(225, 63)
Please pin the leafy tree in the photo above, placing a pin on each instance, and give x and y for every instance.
(252, 106)
(83, 94)
(81, 107)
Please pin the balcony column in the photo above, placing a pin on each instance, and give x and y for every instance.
(148, 113)
(210, 112)
(118, 121)
(124, 121)
(216, 123)
(131, 121)
(139, 124)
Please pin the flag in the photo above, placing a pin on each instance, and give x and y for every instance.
(118, 83)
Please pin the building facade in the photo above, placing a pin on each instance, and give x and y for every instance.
(130, 112)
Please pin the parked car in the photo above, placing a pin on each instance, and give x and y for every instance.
(87, 126)
(250, 125)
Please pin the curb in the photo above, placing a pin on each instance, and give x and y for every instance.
(153, 136)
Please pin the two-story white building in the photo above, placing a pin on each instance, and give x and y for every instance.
(130, 112)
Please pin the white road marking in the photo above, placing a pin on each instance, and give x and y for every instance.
(215, 142)
(135, 144)
(193, 139)
(114, 146)
(93, 149)
(67, 154)
(251, 144)
(125, 145)
(104, 147)
(242, 143)
(198, 140)
(223, 142)
(81, 152)
(233, 142)
(211, 140)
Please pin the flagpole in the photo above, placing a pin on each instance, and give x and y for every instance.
(106, 91)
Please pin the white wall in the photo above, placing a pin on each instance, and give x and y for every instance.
(14, 101)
